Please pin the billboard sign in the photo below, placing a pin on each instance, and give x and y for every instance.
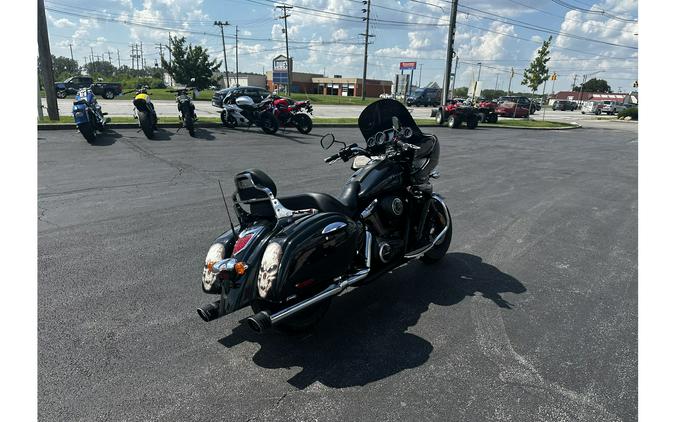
(408, 65)
(280, 70)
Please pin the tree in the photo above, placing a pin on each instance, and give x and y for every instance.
(594, 85)
(64, 67)
(190, 62)
(537, 73)
(461, 91)
(100, 68)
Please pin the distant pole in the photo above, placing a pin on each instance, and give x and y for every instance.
(70, 45)
(510, 79)
(419, 79)
(475, 86)
(118, 59)
(45, 57)
(496, 82)
(236, 53)
(222, 37)
(109, 57)
(289, 70)
(449, 52)
(543, 117)
(454, 78)
(365, 52)
(142, 58)
(581, 96)
(93, 66)
(39, 99)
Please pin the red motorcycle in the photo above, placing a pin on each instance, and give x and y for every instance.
(291, 113)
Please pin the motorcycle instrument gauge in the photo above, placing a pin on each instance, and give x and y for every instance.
(370, 142)
(407, 133)
(380, 137)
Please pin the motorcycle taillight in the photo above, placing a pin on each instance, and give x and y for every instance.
(241, 243)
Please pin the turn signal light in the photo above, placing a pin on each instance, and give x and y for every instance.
(209, 266)
(240, 268)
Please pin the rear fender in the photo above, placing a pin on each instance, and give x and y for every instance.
(306, 256)
(239, 291)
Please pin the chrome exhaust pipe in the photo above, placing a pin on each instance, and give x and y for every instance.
(419, 252)
(210, 312)
(262, 320)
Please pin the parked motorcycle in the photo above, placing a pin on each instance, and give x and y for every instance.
(186, 109)
(291, 113)
(88, 115)
(290, 255)
(243, 111)
(144, 111)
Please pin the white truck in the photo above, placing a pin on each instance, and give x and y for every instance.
(592, 107)
(612, 107)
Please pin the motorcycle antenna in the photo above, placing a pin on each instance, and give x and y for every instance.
(226, 208)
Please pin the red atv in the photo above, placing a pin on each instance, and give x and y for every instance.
(290, 113)
(486, 112)
(455, 113)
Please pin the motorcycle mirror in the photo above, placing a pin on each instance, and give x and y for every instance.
(192, 79)
(395, 123)
(327, 140)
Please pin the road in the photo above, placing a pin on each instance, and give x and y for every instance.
(204, 108)
(532, 315)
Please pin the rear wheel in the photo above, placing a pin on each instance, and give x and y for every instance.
(481, 117)
(454, 121)
(303, 123)
(472, 122)
(439, 117)
(87, 130)
(301, 322)
(268, 123)
(108, 95)
(60, 94)
(145, 121)
(190, 125)
(492, 118)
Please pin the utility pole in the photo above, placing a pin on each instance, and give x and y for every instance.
(419, 80)
(45, 59)
(109, 57)
(496, 82)
(510, 79)
(574, 83)
(118, 59)
(450, 51)
(454, 78)
(142, 58)
(39, 99)
(289, 70)
(70, 45)
(366, 42)
(581, 97)
(93, 66)
(236, 53)
(222, 37)
(475, 85)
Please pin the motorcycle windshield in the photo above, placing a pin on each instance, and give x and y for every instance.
(377, 117)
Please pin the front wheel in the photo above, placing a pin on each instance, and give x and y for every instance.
(87, 130)
(472, 123)
(60, 94)
(268, 123)
(303, 123)
(437, 221)
(454, 122)
(227, 119)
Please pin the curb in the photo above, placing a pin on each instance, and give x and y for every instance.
(71, 126)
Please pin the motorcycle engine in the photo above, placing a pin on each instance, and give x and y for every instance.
(386, 224)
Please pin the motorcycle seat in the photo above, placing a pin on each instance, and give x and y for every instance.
(320, 201)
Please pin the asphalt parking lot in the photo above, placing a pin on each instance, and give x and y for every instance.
(532, 315)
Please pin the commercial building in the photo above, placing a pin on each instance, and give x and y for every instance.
(243, 79)
(579, 97)
(312, 83)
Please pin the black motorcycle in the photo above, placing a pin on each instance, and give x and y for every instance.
(186, 109)
(291, 255)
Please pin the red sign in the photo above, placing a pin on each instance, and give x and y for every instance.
(408, 65)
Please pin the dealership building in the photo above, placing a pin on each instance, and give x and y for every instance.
(312, 83)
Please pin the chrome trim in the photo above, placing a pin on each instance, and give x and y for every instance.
(332, 290)
(226, 264)
(333, 227)
(279, 210)
(369, 209)
(421, 251)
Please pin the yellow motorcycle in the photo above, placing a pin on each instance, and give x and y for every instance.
(144, 111)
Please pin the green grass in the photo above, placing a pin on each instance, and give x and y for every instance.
(529, 123)
(126, 119)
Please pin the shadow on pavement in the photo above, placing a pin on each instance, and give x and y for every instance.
(364, 337)
(106, 138)
(201, 133)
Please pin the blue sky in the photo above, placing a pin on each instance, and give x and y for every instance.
(598, 37)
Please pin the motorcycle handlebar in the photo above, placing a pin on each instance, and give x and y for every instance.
(332, 158)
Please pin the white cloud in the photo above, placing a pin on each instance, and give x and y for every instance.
(61, 23)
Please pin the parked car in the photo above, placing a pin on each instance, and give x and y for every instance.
(591, 107)
(612, 107)
(72, 85)
(513, 109)
(257, 94)
(563, 105)
(425, 97)
(521, 101)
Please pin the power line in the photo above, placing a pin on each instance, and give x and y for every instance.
(595, 12)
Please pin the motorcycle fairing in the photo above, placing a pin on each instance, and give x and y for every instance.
(80, 114)
(378, 117)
